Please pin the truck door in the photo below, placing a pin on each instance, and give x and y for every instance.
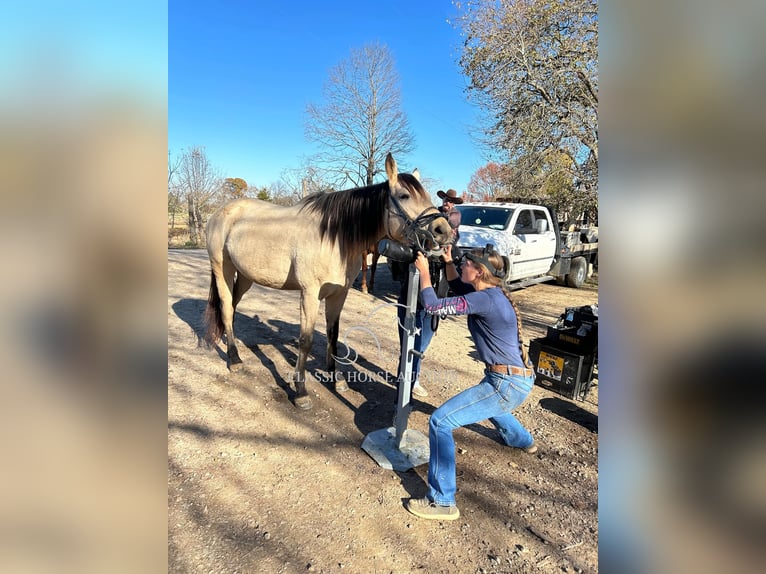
(535, 243)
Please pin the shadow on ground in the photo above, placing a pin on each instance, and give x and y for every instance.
(572, 412)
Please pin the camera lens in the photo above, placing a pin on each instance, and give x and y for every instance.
(396, 251)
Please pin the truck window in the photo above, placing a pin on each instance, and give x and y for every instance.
(490, 217)
(524, 223)
(540, 221)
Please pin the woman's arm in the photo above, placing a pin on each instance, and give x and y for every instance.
(442, 307)
(449, 264)
(460, 288)
(446, 306)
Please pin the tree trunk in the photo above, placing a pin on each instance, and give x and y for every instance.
(200, 226)
(192, 220)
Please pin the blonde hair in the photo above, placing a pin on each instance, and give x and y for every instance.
(492, 279)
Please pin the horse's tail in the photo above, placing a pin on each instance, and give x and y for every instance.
(212, 318)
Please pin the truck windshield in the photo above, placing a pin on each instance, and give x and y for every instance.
(490, 217)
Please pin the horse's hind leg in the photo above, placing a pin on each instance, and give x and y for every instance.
(373, 267)
(333, 306)
(309, 311)
(241, 286)
(363, 286)
(225, 279)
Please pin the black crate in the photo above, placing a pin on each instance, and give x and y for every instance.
(561, 370)
(576, 316)
(581, 339)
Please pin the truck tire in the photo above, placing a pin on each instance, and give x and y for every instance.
(578, 269)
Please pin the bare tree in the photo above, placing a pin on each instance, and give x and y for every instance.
(533, 65)
(297, 183)
(277, 193)
(361, 119)
(201, 185)
(174, 191)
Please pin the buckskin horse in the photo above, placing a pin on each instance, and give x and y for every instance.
(314, 246)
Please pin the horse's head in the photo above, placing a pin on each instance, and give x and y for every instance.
(412, 218)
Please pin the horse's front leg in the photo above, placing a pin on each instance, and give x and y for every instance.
(333, 307)
(309, 311)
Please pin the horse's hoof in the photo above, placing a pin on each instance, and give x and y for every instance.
(303, 402)
(340, 383)
(236, 367)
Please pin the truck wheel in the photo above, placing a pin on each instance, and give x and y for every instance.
(561, 279)
(578, 268)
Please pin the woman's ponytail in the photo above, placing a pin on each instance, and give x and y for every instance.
(522, 350)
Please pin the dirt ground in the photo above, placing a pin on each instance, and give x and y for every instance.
(257, 485)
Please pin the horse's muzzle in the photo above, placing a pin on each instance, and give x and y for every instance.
(441, 232)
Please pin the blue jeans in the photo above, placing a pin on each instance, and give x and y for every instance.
(422, 338)
(493, 398)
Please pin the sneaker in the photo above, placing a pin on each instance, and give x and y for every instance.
(531, 449)
(424, 508)
(419, 390)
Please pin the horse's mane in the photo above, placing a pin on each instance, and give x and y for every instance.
(355, 218)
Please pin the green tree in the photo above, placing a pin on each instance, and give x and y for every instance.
(361, 119)
(532, 65)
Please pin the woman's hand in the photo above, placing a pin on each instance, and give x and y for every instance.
(421, 263)
(447, 253)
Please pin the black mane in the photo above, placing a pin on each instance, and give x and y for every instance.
(356, 218)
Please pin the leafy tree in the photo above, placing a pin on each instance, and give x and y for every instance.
(487, 183)
(532, 65)
(361, 119)
(234, 187)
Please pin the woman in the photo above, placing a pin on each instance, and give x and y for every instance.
(495, 327)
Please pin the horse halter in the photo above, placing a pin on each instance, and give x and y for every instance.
(416, 230)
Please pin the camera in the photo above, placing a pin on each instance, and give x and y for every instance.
(406, 254)
(396, 251)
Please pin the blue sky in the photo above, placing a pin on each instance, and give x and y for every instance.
(83, 49)
(240, 75)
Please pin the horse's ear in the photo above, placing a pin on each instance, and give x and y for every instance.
(391, 171)
(416, 174)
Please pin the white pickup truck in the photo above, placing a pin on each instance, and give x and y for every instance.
(529, 239)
